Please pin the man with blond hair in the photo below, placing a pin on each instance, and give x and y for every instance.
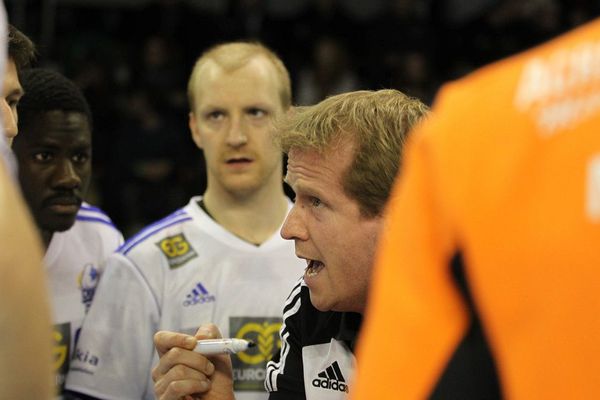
(219, 258)
(343, 156)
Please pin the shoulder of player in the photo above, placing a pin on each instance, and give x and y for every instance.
(509, 79)
(170, 228)
(93, 229)
(89, 215)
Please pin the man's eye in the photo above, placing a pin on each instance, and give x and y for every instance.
(215, 115)
(81, 158)
(257, 112)
(315, 202)
(42, 156)
(13, 101)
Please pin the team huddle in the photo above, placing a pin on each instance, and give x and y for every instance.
(413, 257)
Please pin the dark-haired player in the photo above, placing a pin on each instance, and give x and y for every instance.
(21, 52)
(54, 150)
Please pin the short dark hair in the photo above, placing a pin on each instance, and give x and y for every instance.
(47, 90)
(20, 48)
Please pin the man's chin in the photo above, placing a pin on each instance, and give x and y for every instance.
(61, 224)
(242, 185)
(318, 303)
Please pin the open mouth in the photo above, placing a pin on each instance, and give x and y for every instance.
(314, 267)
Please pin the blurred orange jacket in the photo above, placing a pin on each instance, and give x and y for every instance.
(495, 224)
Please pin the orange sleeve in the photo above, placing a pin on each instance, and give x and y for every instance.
(503, 173)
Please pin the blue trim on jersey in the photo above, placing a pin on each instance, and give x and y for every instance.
(91, 208)
(124, 250)
(97, 214)
(175, 218)
(95, 219)
(88, 211)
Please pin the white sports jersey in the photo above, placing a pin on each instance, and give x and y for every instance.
(73, 265)
(176, 274)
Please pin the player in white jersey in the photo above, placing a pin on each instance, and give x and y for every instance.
(74, 262)
(176, 274)
(218, 259)
(53, 151)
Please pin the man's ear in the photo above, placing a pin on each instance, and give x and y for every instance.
(290, 111)
(194, 129)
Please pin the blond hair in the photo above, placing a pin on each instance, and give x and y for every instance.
(234, 55)
(377, 123)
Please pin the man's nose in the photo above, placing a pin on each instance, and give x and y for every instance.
(294, 227)
(236, 135)
(9, 121)
(66, 176)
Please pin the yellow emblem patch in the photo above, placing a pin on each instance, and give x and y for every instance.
(177, 250)
(60, 354)
(249, 366)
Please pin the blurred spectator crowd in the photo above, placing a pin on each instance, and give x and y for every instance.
(132, 59)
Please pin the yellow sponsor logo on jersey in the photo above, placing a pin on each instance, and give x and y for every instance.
(177, 250)
(61, 336)
(249, 366)
(267, 341)
(60, 351)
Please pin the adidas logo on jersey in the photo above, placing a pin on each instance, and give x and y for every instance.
(331, 378)
(198, 295)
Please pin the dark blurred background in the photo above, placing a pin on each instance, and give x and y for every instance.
(132, 59)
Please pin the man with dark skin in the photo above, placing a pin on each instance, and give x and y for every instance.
(54, 150)
(54, 156)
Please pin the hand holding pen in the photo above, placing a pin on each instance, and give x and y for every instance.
(222, 346)
(183, 372)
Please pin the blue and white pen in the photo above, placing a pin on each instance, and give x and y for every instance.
(222, 346)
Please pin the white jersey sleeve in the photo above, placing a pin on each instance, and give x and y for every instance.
(126, 312)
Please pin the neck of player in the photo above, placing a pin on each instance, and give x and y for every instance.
(46, 238)
(253, 217)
